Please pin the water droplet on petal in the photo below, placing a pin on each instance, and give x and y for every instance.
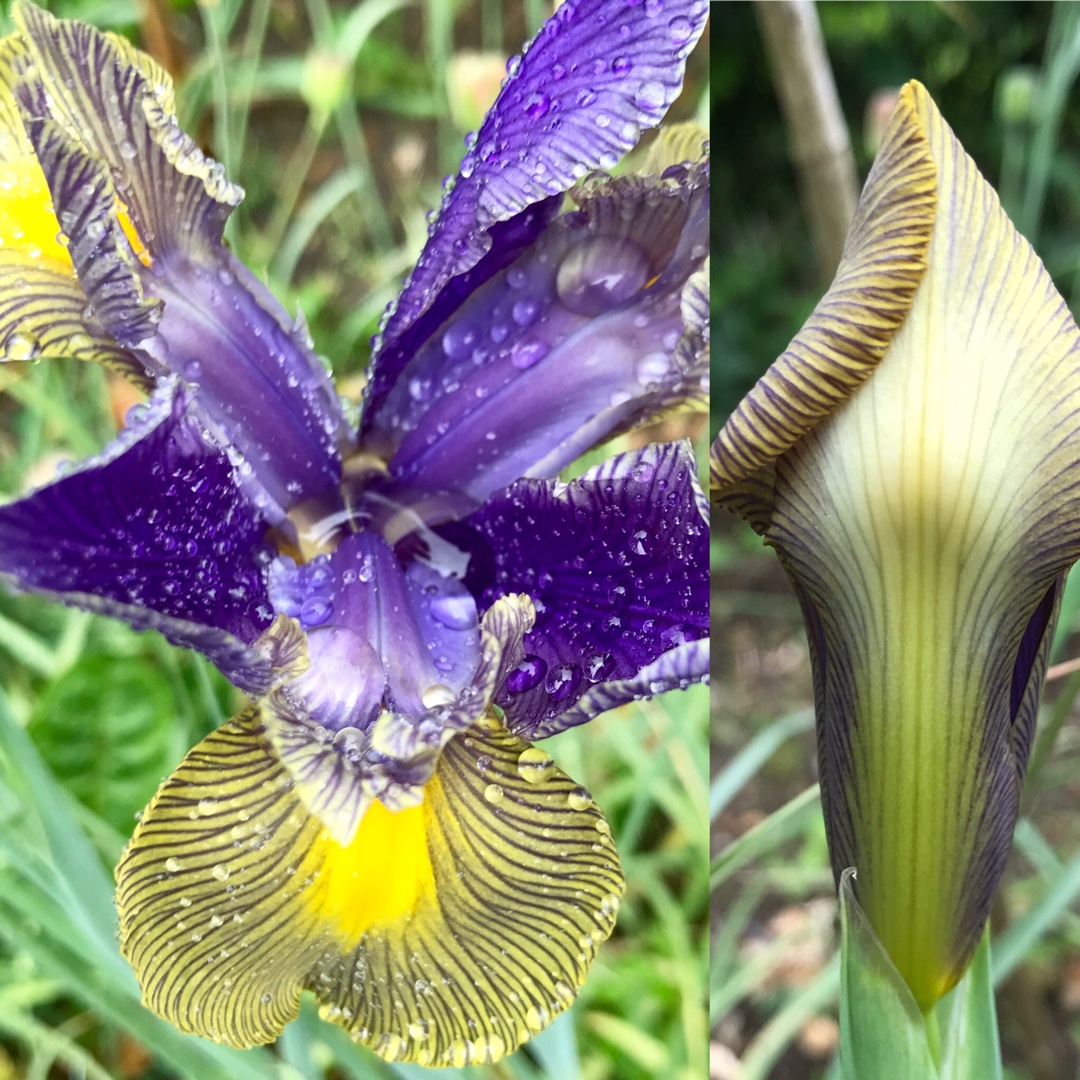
(537, 106)
(493, 793)
(652, 368)
(527, 352)
(458, 340)
(680, 30)
(524, 311)
(437, 695)
(454, 612)
(599, 667)
(650, 95)
(535, 765)
(526, 675)
(563, 680)
(600, 274)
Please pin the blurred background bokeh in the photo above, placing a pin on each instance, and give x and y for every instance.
(1005, 78)
(340, 119)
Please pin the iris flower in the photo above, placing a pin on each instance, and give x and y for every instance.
(410, 602)
(913, 458)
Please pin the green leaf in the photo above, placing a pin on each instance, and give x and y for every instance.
(104, 728)
(882, 1032)
(972, 1050)
(793, 818)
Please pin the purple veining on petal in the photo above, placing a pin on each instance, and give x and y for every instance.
(153, 530)
(508, 240)
(591, 335)
(616, 564)
(101, 132)
(564, 109)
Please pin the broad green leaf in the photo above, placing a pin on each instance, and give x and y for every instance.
(882, 1032)
(104, 728)
(971, 1045)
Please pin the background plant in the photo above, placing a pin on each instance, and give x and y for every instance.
(340, 120)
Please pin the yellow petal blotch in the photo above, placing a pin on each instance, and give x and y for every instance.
(382, 874)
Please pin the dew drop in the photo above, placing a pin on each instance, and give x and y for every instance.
(528, 352)
(458, 340)
(21, 346)
(680, 30)
(524, 311)
(652, 368)
(535, 765)
(493, 793)
(454, 612)
(600, 274)
(219, 872)
(650, 95)
(526, 675)
(563, 680)
(537, 106)
(599, 667)
(579, 799)
(172, 865)
(437, 695)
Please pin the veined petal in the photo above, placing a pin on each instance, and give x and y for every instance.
(597, 74)
(840, 345)
(104, 99)
(153, 531)
(144, 211)
(446, 934)
(342, 763)
(615, 563)
(927, 522)
(42, 305)
(601, 325)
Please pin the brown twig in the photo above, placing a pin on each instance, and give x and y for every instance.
(817, 133)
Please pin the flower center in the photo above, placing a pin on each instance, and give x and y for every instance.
(368, 499)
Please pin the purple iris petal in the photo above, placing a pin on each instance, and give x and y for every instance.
(153, 531)
(597, 74)
(101, 133)
(613, 564)
(592, 329)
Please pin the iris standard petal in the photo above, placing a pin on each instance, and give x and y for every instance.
(597, 74)
(927, 522)
(154, 531)
(600, 325)
(838, 348)
(446, 934)
(615, 565)
(144, 210)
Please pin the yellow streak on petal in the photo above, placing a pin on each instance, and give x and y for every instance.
(381, 875)
(141, 251)
(27, 221)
